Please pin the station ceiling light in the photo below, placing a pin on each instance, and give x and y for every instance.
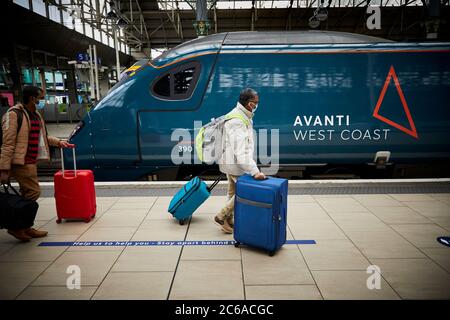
(314, 22)
(321, 14)
(112, 16)
(121, 23)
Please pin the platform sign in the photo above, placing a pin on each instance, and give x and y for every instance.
(82, 57)
(85, 57)
(444, 240)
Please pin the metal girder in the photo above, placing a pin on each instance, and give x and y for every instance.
(159, 27)
(176, 21)
(88, 12)
(164, 30)
(398, 15)
(142, 20)
(362, 15)
(213, 4)
(173, 13)
(309, 5)
(141, 29)
(191, 4)
(348, 11)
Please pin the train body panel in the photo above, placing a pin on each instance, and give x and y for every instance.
(302, 94)
(329, 103)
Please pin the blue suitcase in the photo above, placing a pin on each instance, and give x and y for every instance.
(260, 212)
(189, 198)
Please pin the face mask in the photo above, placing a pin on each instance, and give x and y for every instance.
(254, 109)
(41, 104)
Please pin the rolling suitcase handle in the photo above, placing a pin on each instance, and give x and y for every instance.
(74, 160)
(211, 186)
(215, 182)
(7, 186)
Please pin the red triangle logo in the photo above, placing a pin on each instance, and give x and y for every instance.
(412, 131)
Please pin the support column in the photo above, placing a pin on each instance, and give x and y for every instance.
(116, 47)
(71, 86)
(202, 23)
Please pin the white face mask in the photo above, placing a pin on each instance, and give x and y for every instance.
(254, 109)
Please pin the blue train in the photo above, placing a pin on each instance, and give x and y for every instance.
(339, 102)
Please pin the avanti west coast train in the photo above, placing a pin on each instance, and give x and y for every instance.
(340, 102)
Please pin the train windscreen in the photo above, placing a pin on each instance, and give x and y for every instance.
(129, 72)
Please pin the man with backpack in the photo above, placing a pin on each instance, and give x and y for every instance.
(24, 142)
(237, 156)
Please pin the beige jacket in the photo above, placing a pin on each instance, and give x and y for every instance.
(238, 145)
(15, 144)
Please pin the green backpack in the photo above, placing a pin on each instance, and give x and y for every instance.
(208, 142)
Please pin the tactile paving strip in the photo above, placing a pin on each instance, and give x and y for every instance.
(319, 188)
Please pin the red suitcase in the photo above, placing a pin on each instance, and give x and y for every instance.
(74, 193)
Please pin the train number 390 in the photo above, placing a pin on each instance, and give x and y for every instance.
(184, 149)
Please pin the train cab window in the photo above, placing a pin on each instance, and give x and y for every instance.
(178, 83)
(162, 86)
(182, 80)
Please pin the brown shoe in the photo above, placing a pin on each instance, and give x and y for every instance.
(36, 233)
(20, 235)
(223, 224)
(230, 221)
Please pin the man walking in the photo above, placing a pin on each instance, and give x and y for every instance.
(237, 158)
(24, 142)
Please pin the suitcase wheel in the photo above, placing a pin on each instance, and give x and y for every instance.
(271, 253)
(181, 222)
(236, 244)
(58, 221)
(87, 220)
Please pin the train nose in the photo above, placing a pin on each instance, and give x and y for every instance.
(76, 130)
(81, 137)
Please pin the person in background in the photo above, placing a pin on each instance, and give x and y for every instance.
(23, 146)
(237, 158)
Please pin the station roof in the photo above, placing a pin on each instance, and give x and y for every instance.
(170, 22)
(147, 25)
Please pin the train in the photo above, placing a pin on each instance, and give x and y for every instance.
(337, 103)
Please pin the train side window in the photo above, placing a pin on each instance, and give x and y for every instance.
(182, 80)
(178, 83)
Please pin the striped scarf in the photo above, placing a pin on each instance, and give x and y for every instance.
(33, 138)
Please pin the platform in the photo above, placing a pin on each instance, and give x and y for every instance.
(133, 249)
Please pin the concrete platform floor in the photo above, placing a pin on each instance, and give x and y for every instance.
(396, 232)
(61, 130)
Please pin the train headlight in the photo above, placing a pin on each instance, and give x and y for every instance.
(77, 129)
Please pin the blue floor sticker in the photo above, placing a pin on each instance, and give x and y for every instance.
(444, 240)
(153, 243)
